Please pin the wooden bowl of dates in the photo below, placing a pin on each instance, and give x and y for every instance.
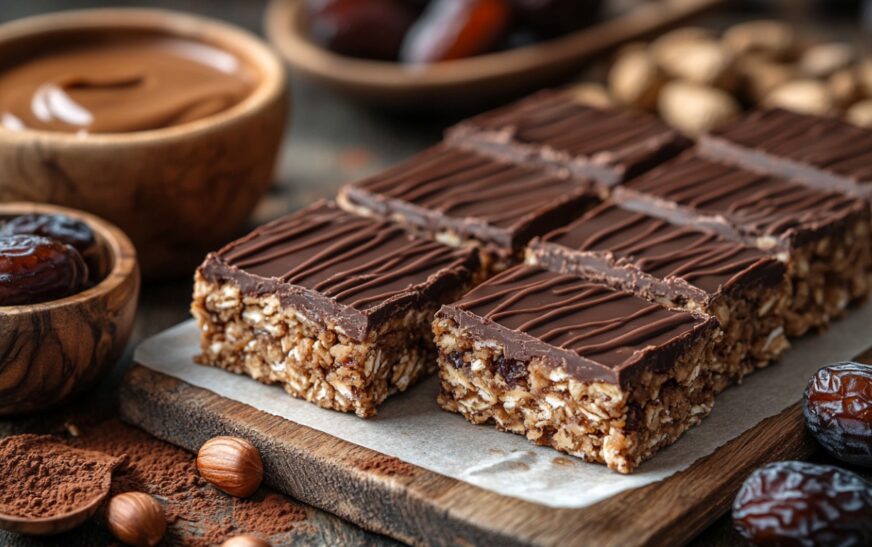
(69, 283)
(179, 183)
(414, 77)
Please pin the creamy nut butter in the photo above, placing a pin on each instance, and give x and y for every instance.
(121, 84)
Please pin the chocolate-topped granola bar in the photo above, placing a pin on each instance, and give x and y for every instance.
(554, 130)
(684, 267)
(825, 152)
(334, 307)
(464, 198)
(824, 237)
(578, 366)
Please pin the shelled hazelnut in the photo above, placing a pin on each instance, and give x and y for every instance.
(135, 518)
(245, 541)
(758, 63)
(231, 464)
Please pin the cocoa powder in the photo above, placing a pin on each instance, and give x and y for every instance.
(41, 477)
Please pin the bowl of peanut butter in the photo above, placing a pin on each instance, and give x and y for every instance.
(166, 124)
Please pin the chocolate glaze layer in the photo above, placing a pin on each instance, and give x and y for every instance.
(596, 333)
(495, 202)
(550, 128)
(339, 268)
(824, 152)
(760, 209)
(644, 254)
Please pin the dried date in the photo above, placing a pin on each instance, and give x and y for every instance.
(61, 227)
(36, 269)
(837, 406)
(797, 503)
(372, 29)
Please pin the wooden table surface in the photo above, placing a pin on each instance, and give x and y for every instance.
(329, 141)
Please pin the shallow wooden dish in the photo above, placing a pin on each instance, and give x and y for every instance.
(178, 192)
(464, 84)
(53, 350)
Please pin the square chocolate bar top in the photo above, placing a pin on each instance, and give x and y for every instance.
(594, 332)
(551, 128)
(764, 210)
(638, 251)
(828, 153)
(470, 195)
(338, 268)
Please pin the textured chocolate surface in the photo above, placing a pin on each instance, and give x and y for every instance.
(824, 152)
(761, 209)
(596, 333)
(339, 268)
(551, 128)
(472, 195)
(639, 252)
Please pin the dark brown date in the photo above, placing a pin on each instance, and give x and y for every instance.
(61, 227)
(36, 269)
(556, 17)
(451, 29)
(837, 406)
(371, 29)
(797, 503)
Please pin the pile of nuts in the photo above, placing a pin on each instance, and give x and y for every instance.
(798, 503)
(697, 80)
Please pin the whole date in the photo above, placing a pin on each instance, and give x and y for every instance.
(797, 503)
(837, 406)
(36, 269)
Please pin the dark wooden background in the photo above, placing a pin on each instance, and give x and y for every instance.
(329, 141)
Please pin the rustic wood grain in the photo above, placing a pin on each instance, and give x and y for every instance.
(417, 506)
(50, 351)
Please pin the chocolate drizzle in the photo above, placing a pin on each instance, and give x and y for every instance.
(644, 254)
(823, 152)
(595, 332)
(472, 195)
(551, 128)
(758, 208)
(334, 266)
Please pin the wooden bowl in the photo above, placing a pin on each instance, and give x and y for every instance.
(179, 191)
(464, 84)
(53, 350)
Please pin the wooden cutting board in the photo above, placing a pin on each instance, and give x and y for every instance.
(389, 496)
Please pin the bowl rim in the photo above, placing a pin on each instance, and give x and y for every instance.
(123, 253)
(256, 52)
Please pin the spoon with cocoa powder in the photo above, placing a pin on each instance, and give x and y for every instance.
(47, 487)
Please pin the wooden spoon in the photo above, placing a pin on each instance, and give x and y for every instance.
(59, 523)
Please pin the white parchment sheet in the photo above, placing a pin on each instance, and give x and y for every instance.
(411, 426)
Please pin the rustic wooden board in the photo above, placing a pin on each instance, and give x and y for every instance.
(409, 503)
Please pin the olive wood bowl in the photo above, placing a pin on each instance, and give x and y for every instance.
(178, 191)
(53, 350)
(465, 84)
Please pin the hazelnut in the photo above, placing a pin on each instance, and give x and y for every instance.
(231, 464)
(695, 109)
(804, 96)
(824, 59)
(591, 94)
(245, 541)
(775, 39)
(761, 75)
(135, 518)
(702, 62)
(844, 86)
(664, 46)
(635, 79)
(861, 114)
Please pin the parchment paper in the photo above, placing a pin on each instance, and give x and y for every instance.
(410, 426)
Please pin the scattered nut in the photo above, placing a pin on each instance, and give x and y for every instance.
(591, 94)
(245, 541)
(861, 114)
(135, 518)
(634, 79)
(696, 109)
(823, 59)
(774, 39)
(844, 87)
(231, 464)
(702, 62)
(805, 96)
(667, 44)
(761, 75)
(864, 74)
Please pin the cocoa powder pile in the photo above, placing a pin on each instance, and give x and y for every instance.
(41, 477)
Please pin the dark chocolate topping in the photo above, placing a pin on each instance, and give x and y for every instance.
(552, 128)
(825, 152)
(340, 268)
(739, 203)
(638, 251)
(596, 333)
(475, 196)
